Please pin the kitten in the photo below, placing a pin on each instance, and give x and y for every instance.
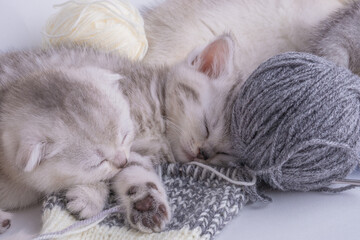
(175, 119)
(68, 108)
(261, 29)
(178, 114)
(338, 38)
(62, 127)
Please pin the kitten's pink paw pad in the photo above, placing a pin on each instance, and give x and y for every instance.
(149, 213)
(5, 222)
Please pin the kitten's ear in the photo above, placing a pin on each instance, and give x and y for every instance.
(216, 59)
(30, 153)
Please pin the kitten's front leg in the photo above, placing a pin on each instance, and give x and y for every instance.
(5, 221)
(141, 192)
(87, 200)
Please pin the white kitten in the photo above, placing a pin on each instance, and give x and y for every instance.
(217, 64)
(261, 28)
(202, 90)
(175, 119)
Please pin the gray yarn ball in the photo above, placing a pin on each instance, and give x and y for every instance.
(296, 122)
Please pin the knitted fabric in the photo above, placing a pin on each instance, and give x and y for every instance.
(201, 203)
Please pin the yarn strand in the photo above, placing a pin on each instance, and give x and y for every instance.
(239, 183)
(354, 182)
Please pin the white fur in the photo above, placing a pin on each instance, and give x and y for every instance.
(261, 28)
(187, 129)
(256, 31)
(139, 177)
(87, 200)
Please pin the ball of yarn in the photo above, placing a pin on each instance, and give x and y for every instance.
(296, 122)
(111, 25)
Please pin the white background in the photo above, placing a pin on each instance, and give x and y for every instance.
(299, 216)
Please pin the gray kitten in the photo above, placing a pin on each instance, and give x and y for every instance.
(62, 126)
(180, 113)
(338, 38)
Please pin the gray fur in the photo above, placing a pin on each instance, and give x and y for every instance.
(135, 84)
(338, 38)
(58, 123)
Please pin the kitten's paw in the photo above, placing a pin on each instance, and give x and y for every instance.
(5, 221)
(87, 200)
(149, 210)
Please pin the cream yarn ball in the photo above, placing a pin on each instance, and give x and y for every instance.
(111, 25)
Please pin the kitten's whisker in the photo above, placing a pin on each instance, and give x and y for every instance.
(170, 120)
(177, 128)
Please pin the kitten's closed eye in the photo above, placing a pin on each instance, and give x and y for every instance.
(206, 128)
(117, 160)
(99, 160)
(99, 164)
(122, 142)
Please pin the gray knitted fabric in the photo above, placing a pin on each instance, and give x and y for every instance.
(296, 122)
(198, 198)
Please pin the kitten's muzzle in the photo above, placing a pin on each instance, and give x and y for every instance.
(202, 154)
(120, 160)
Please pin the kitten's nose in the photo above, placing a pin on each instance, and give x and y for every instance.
(202, 154)
(120, 159)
